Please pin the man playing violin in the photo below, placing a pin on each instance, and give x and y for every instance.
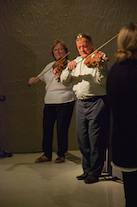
(92, 109)
(59, 102)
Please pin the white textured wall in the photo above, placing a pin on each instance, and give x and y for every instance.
(27, 30)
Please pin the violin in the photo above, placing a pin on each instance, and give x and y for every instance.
(97, 57)
(61, 65)
(91, 60)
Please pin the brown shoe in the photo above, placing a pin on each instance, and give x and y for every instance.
(43, 158)
(60, 159)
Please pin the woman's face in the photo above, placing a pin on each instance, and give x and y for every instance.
(59, 51)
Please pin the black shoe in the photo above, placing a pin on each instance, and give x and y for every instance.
(5, 154)
(91, 179)
(82, 177)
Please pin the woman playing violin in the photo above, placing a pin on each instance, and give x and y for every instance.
(92, 110)
(59, 102)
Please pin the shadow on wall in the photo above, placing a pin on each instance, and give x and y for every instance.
(21, 113)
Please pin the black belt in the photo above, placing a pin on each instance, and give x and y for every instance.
(94, 98)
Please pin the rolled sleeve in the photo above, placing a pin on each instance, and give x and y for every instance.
(66, 77)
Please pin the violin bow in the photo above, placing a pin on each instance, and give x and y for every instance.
(100, 46)
(104, 44)
(48, 69)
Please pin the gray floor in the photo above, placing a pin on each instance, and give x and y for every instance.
(24, 183)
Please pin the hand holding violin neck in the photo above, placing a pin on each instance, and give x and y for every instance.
(60, 66)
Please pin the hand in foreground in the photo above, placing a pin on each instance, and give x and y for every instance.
(72, 65)
(55, 71)
(98, 60)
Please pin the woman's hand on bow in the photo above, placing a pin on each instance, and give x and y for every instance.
(34, 80)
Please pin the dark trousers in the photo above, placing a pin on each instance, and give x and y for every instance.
(61, 113)
(92, 118)
(130, 188)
